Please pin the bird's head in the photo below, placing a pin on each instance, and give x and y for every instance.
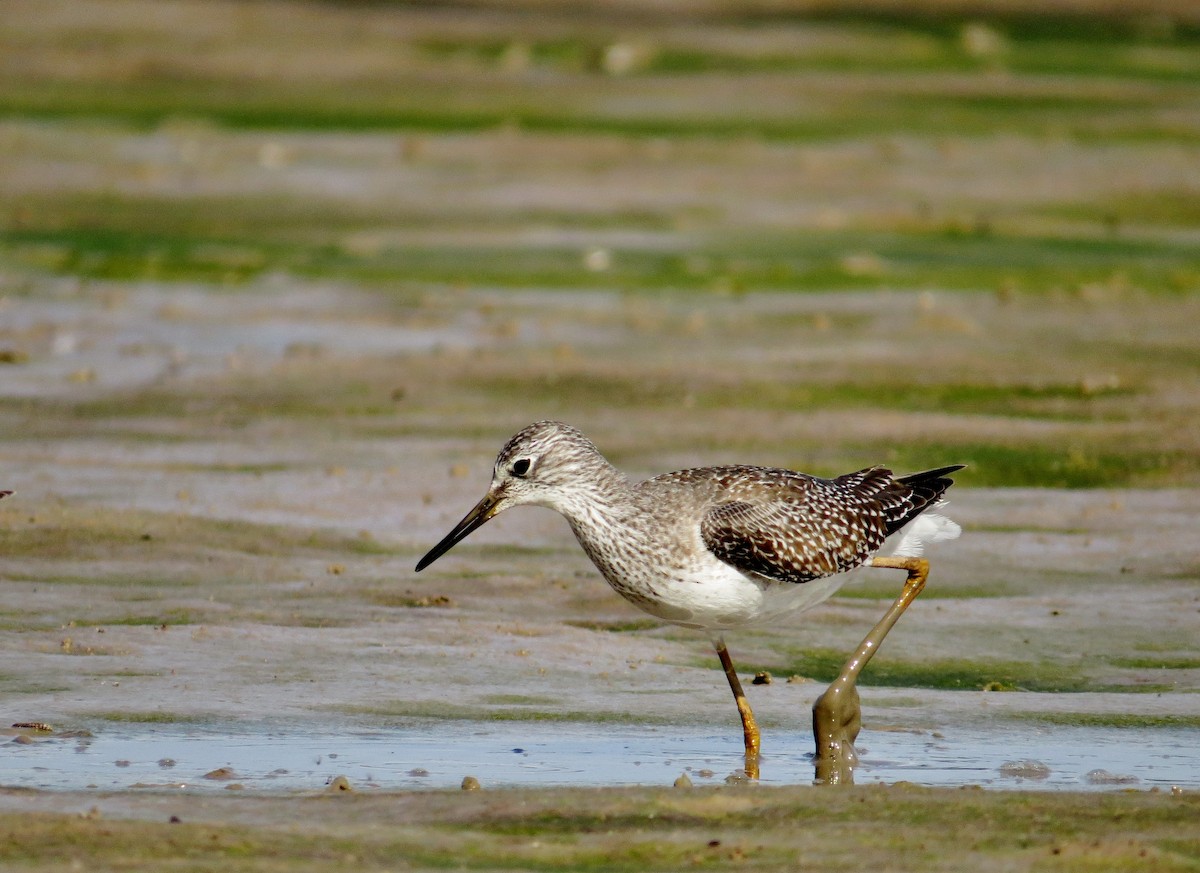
(544, 464)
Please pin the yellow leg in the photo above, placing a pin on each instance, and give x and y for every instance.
(749, 725)
(837, 716)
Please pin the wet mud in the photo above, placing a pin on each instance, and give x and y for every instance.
(171, 562)
(258, 347)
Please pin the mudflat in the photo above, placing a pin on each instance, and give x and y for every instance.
(277, 281)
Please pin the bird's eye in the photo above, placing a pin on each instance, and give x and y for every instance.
(520, 466)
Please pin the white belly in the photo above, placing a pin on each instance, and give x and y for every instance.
(723, 598)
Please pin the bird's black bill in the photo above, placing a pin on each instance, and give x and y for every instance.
(483, 510)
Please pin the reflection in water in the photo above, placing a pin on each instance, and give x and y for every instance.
(439, 755)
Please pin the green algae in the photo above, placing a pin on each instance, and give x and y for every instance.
(879, 590)
(775, 260)
(156, 716)
(1064, 401)
(1048, 466)
(1054, 677)
(1133, 721)
(1166, 662)
(166, 617)
(899, 827)
(59, 532)
(486, 711)
(632, 625)
(518, 700)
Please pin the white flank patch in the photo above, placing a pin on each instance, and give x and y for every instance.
(924, 530)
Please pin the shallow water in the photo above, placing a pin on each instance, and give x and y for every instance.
(439, 755)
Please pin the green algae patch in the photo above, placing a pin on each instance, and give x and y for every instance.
(157, 716)
(946, 674)
(873, 590)
(500, 709)
(616, 627)
(1125, 720)
(164, 618)
(900, 828)
(1070, 401)
(51, 840)
(233, 240)
(1034, 465)
(62, 532)
(519, 700)
(1166, 662)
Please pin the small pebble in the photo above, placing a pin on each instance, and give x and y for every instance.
(470, 783)
(763, 678)
(683, 781)
(221, 773)
(339, 785)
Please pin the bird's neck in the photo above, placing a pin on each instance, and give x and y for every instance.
(599, 499)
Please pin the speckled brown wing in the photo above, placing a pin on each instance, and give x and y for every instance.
(797, 528)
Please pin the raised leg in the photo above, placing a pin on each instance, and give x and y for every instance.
(837, 716)
(749, 725)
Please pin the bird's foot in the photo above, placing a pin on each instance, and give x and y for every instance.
(837, 719)
(837, 714)
(751, 767)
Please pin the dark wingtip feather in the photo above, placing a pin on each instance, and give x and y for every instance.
(926, 475)
(925, 489)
